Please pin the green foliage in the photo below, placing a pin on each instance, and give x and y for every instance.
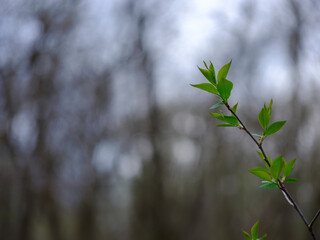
(271, 174)
(268, 184)
(274, 127)
(223, 72)
(234, 108)
(288, 168)
(227, 119)
(254, 233)
(206, 87)
(277, 167)
(276, 171)
(224, 88)
(217, 105)
(209, 75)
(264, 118)
(261, 173)
(221, 87)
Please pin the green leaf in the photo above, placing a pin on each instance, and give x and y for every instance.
(208, 75)
(206, 87)
(205, 64)
(274, 127)
(217, 116)
(277, 167)
(224, 88)
(264, 117)
(269, 185)
(216, 105)
(231, 119)
(254, 231)
(225, 125)
(234, 108)
(291, 180)
(288, 168)
(261, 173)
(261, 169)
(228, 119)
(247, 235)
(223, 72)
(213, 73)
(261, 155)
(270, 107)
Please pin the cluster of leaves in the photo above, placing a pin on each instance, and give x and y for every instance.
(264, 118)
(254, 233)
(279, 170)
(221, 87)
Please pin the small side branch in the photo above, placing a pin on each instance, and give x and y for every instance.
(314, 219)
(249, 133)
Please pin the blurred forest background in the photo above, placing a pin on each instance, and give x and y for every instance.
(101, 136)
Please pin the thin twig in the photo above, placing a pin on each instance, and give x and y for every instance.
(314, 219)
(249, 133)
(280, 184)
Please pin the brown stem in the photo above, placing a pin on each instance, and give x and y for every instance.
(280, 184)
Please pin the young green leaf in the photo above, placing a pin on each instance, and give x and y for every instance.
(277, 167)
(208, 75)
(234, 108)
(270, 107)
(261, 155)
(288, 168)
(264, 117)
(274, 127)
(261, 169)
(224, 88)
(206, 87)
(269, 185)
(205, 64)
(213, 73)
(291, 180)
(261, 173)
(254, 231)
(223, 72)
(218, 116)
(247, 235)
(231, 119)
(227, 119)
(217, 105)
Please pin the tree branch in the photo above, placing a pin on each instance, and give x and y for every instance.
(280, 184)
